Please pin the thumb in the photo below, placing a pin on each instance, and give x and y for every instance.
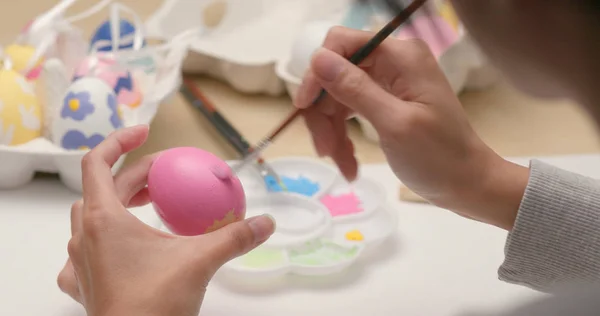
(351, 86)
(238, 238)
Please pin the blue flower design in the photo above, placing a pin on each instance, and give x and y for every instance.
(115, 118)
(75, 140)
(77, 106)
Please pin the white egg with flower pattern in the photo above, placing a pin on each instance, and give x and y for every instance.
(88, 114)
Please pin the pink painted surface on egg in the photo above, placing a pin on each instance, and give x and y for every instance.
(434, 30)
(194, 192)
(107, 70)
(34, 73)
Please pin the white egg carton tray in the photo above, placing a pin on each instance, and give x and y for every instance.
(251, 37)
(316, 232)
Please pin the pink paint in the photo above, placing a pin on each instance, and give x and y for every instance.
(34, 73)
(434, 30)
(194, 192)
(107, 70)
(343, 204)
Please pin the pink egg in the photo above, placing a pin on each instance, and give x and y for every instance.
(194, 192)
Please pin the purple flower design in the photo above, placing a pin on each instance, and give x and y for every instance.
(74, 139)
(77, 106)
(115, 118)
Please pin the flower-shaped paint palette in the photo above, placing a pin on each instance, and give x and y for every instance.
(317, 234)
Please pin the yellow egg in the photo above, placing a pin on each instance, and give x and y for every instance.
(20, 110)
(20, 55)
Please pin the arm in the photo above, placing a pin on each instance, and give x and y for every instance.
(556, 235)
(583, 301)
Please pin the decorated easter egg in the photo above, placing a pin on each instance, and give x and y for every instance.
(120, 80)
(102, 41)
(194, 192)
(20, 55)
(88, 114)
(20, 110)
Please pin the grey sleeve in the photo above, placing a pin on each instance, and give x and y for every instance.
(556, 237)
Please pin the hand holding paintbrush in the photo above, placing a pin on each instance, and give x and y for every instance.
(356, 59)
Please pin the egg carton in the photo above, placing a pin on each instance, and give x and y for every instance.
(261, 46)
(155, 69)
(244, 39)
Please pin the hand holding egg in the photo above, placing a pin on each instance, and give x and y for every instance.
(195, 192)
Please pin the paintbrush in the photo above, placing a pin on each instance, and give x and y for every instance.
(355, 59)
(197, 99)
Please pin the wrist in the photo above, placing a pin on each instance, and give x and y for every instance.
(502, 189)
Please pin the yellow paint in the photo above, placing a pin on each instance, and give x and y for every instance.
(447, 13)
(84, 148)
(74, 105)
(136, 103)
(20, 110)
(20, 55)
(228, 219)
(355, 235)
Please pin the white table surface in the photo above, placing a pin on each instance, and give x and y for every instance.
(436, 264)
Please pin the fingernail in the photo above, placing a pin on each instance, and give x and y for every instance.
(327, 65)
(262, 226)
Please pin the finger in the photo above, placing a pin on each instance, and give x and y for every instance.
(308, 91)
(98, 184)
(347, 41)
(130, 180)
(76, 211)
(321, 131)
(67, 281)
(352, 87)
(140, 199)
(236, 239)
(344, 41)
(344, 153)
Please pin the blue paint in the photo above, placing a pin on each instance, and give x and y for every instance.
(102, 39)
(300, 185)
(124, 83)
(115, 119)
(85, 108)
(75, 139)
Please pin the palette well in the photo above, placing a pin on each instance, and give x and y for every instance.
(317, 234)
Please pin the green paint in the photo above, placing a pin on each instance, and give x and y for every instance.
(320, 253)
(263, 258)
